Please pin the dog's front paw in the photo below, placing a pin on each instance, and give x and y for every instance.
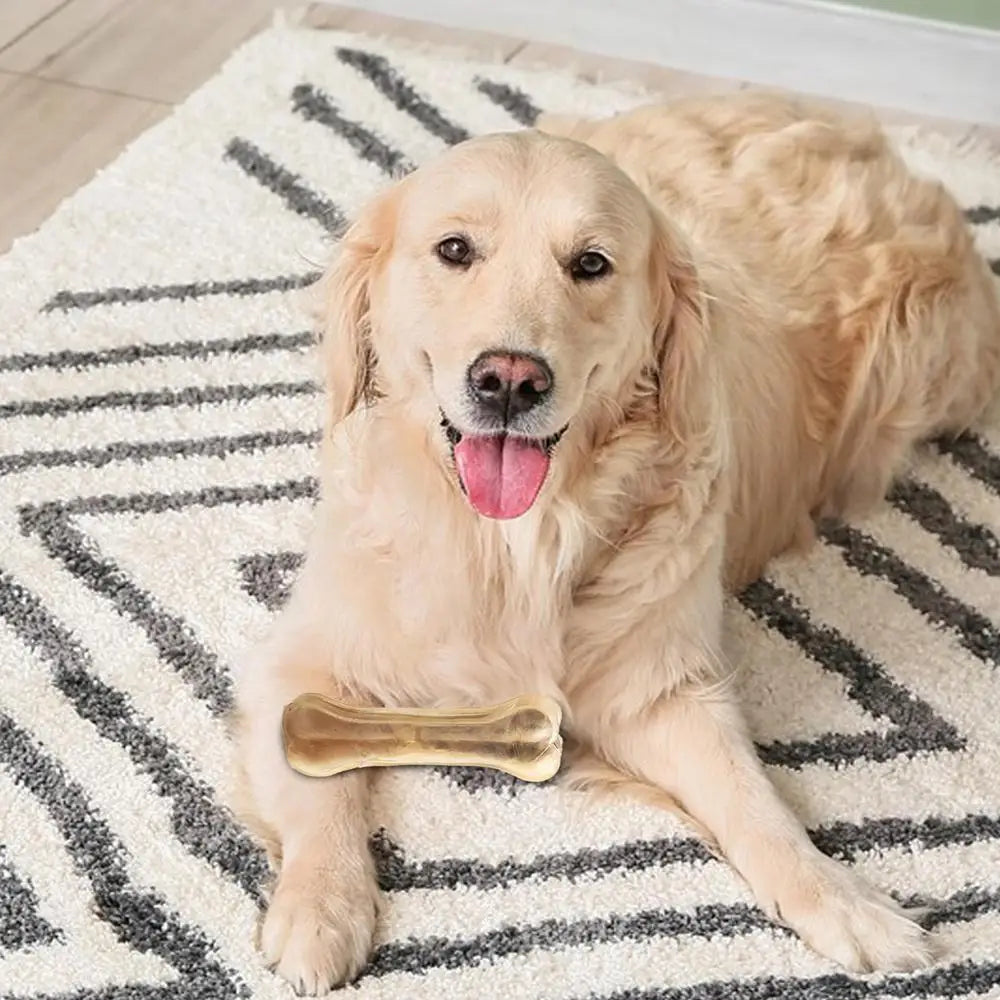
(846, 919)
(317, 932)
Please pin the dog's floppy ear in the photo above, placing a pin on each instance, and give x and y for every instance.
(349, 360)
(680, 338)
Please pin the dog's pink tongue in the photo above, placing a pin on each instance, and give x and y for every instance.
(501, 475)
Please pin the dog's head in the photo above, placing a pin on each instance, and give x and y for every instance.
(514, 288)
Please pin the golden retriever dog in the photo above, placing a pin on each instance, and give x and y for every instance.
(582, 379)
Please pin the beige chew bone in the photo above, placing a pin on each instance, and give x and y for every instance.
(521, 736)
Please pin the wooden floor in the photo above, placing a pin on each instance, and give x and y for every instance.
(79, 79)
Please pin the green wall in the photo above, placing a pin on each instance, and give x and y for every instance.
(979, 13)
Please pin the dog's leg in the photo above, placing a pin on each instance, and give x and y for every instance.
(646, 697)
(696, 748)
(318, 928)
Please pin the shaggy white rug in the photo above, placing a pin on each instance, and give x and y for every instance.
(158, 413)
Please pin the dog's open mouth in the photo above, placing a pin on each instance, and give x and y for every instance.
(503, 473)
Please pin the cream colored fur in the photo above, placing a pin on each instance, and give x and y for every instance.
(789, 311)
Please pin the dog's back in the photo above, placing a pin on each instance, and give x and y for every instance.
(851, 313)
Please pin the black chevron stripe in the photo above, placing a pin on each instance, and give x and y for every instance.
(214, 446)
(397, 874)
(976, 545)
(394, 86)
(142, 920)
(198, 821)
(305, 488)
(288, 186)
(839, 839)
(173, 640)
(918, 726)
(417, 956)
(136, 353)
(974, 630)
(513, 100)
(421, 955)
(196, 395)
(314, 105)
(65, 301)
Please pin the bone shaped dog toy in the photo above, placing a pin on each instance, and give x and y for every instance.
(521, 737)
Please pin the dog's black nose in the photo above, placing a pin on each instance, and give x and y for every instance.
(505, 384)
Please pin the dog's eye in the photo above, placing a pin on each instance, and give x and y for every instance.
(455, 251)
(589, 265)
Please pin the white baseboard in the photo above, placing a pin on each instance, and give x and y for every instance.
(829, 49)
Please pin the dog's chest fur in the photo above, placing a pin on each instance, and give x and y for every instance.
(433, 604)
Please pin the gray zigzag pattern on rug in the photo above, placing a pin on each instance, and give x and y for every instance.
(138, 919)
(198, 822)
